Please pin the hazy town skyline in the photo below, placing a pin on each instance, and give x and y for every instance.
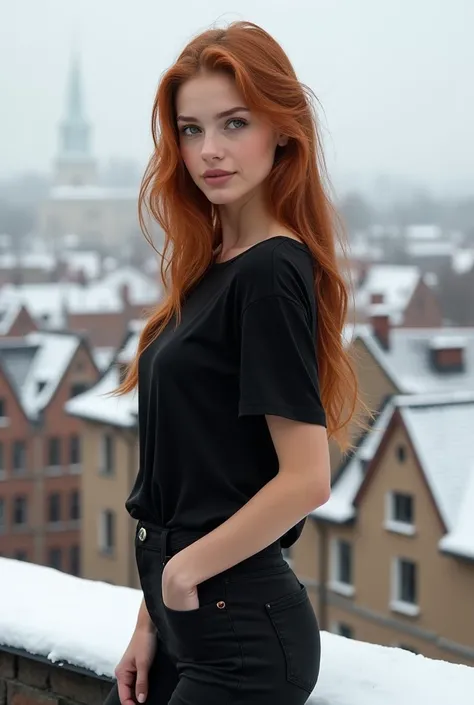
(393, 78)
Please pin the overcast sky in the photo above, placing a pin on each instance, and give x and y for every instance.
(395, 77)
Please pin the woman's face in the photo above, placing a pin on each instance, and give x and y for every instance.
(237, 141)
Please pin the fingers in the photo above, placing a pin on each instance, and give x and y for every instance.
(125, 683)
(141, 684)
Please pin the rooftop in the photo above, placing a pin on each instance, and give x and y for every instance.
(396, 283)
(39, 614)
(439, 426)
(36, 364)
(407, 361)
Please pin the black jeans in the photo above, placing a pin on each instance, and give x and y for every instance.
(254, 638)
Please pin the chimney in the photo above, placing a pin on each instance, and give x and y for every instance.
(376, 298)
(125, 293)
(447, 353)
(379, 317)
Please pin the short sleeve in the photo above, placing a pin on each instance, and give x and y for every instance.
(278, 363)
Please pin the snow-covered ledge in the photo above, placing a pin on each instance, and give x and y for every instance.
(66, 620)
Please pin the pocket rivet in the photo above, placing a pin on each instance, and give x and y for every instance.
(221, 604)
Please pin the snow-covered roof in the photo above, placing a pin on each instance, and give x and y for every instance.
(97, 405)
(462, 260)
(103, 357)
(407, 361)
(441, 435)
(429, 231)
(28, 260)
(38, 614)
(396, 283)
(440, 427)
(8, 316)
(92, 193)
(48, 302)
(430, 248)
(36, 365)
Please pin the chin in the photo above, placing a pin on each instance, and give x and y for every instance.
(221, 199)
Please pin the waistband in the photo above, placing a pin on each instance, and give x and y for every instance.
(169, 541)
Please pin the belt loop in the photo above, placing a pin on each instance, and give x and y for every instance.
(164, 552)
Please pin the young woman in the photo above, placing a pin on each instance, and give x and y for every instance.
(242, 377)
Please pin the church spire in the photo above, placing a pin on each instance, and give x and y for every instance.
(74, 129)
(75, 164)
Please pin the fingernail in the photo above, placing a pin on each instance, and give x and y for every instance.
(141, 698)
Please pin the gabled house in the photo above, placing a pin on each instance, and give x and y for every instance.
(396, 564)
(401, 293)
(40, 450)
(109, 432)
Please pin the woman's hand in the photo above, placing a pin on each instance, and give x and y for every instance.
(178, 592)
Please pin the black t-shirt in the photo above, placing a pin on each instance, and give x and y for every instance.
(245, 347)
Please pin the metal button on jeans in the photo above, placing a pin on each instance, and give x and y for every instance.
(142, 534)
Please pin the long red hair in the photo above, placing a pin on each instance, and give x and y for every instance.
(295, 195)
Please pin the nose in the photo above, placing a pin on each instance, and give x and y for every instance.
(211, 147)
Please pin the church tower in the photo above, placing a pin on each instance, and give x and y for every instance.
(75, 165)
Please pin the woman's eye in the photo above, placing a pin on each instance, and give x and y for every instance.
(242, 122)
(189, 127)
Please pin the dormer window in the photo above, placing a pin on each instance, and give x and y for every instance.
(400, 513)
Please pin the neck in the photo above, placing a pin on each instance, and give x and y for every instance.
(244, 223)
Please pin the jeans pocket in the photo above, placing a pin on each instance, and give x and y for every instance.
(296, 626)
(204, 635)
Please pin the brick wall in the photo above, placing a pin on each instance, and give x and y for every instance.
(27, 680)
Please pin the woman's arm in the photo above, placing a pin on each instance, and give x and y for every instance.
(301, 485)
(143, 619)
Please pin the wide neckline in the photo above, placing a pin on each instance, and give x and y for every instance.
(252, 247)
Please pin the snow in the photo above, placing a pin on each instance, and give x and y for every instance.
(96, 405)
(340, 506)
(439, 427)
(48, 302)
(408, 362)
(39, 613)
(442, 439)
(55, 352)
(441, 342)
(462, 260)
(396, 282)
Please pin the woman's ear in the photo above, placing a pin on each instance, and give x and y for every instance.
(282, 140)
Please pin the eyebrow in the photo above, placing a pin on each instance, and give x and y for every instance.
(226, 113)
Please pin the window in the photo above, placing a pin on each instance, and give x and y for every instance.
(74, 450)
(2, 462)
(78, 388)
(55, 558)
(2, 515)
(404, 587)
(54, 452)
(341, 568)
(400, 513)
(107, 455)
(3, 408)
(343, 629)
(75, 506)
(54, 507)
(401, 453)
(107, 531)
(19, 457)
(20, 514)
(75, 560)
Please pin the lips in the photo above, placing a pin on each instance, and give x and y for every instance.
(215, 173)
